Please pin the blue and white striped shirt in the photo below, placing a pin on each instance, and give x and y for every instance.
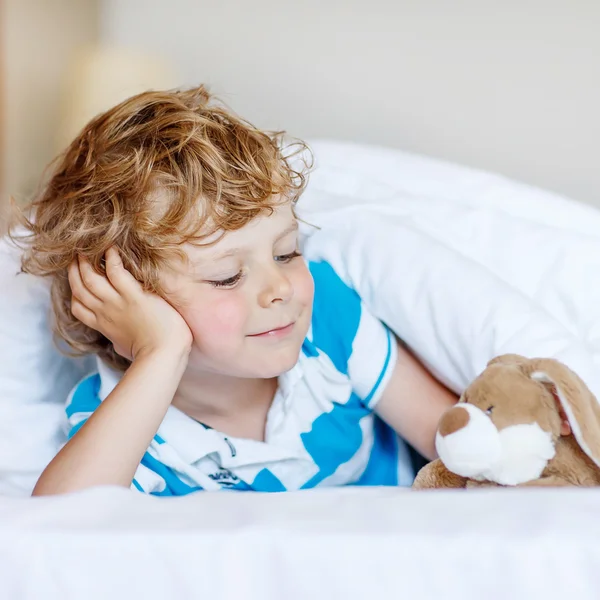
(320, 430)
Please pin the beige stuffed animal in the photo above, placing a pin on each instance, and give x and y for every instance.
(522, 422)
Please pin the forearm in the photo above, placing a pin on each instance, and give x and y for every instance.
(110, 445)
(413, 403)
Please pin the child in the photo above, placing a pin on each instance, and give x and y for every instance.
(169, 232)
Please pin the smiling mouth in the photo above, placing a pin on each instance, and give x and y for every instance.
(277, 332)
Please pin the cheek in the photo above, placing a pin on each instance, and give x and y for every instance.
(303, 284)
(221, 316)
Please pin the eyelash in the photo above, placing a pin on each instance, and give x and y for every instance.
(286, 258)
(231, 281)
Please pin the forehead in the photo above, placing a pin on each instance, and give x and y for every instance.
(264, 229)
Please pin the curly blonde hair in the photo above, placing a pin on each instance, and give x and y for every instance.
(217, 170)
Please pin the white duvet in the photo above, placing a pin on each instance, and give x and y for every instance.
(463, 266)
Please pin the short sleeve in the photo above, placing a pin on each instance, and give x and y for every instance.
(359, 345)
(82, 402)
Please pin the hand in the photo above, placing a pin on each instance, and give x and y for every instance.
(117, 306)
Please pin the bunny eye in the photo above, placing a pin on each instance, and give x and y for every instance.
(489, 410)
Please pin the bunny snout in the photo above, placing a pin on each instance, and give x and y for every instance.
(467, 441)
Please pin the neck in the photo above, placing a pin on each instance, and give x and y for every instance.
(233, 405)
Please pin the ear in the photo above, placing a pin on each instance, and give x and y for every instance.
(580, 408)
(509, 359)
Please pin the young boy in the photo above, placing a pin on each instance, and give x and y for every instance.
(228, 362)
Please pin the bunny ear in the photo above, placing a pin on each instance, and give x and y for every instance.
(579, 404)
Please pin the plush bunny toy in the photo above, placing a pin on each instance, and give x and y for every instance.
(522, 422)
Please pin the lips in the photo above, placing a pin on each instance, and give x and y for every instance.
(275, 331)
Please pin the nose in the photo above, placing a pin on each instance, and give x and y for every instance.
(276, 288)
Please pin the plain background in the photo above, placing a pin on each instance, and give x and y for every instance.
(512, 86)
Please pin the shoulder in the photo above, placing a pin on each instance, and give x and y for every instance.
(337, 310)
(359, 345)
(328, 284)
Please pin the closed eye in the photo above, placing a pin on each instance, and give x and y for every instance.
(286, 258)
(229, 282)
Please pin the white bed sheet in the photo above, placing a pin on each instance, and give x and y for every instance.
(328, 544)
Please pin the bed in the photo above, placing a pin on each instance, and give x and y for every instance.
(482, 265)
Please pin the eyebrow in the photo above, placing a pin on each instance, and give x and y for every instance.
(235, 251)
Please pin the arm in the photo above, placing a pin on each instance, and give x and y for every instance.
(147, 330)
(109, 447)
(413, 402)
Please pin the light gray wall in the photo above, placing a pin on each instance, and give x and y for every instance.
(510, 86)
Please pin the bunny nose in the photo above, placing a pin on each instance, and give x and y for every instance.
(454, 420)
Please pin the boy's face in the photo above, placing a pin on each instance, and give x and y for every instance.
(247, 299)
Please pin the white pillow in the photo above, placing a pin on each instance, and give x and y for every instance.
(34, 377)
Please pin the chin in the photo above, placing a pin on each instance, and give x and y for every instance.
(280, 362)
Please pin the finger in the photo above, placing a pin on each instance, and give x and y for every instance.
(97, 284)
(78, 288)
(83, 314)
(122, 280)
